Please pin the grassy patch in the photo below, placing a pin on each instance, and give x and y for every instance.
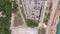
(5, 31)
(30, 23)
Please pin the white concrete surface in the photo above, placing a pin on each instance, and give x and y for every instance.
(24, 31)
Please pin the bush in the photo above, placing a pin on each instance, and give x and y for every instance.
(5, 6)
(30, 23)
(14, 6)
(5, 31)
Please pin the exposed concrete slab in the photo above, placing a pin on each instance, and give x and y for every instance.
(24, 31)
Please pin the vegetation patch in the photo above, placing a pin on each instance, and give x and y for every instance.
(6, 8)
(30, 23)
(47, 14)
(14, 9)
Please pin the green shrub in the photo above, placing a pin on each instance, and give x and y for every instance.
(30, 23)
(5, 6)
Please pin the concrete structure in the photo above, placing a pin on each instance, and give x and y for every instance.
(33, 8)
(24, 31)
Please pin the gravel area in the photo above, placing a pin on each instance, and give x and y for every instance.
(18, 21)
